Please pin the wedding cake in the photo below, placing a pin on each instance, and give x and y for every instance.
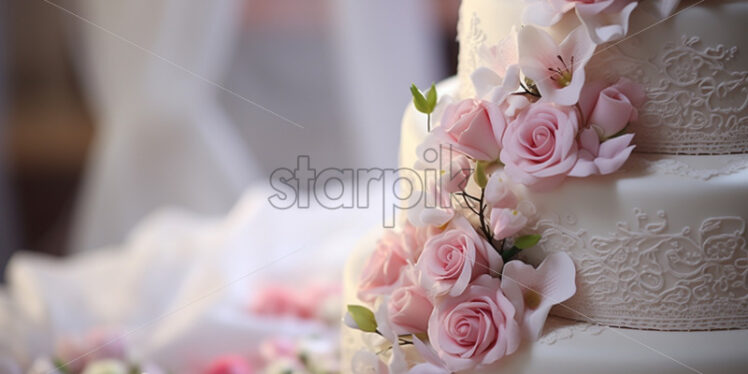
(589, 161)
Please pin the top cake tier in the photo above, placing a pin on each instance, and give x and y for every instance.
(692, 60)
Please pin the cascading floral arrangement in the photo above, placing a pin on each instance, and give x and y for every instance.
(449, 282)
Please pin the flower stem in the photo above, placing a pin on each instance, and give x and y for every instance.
(428, 121)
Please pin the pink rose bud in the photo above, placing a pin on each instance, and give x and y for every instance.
(474, 128)
(499, 193)
(616, 107)
(506, 223)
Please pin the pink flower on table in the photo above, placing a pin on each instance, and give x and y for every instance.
(608, 110)
(278, 301)
(557, 70)
(97, 344)
(383, 268)
(476, 328)
(409, 306)
(474, 128)
(601, 159)
(603, 20)
(506, 222)
(279, 348)
(499, 74)
(230, 365)
(286, 301)
(540, 147)
(534, 291)
(454, 258)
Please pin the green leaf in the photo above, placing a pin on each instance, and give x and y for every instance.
(481, 179)
(509, 254)
(418, 100)
(60, 366)
(431, 98)
(527, 241)
(364, 318)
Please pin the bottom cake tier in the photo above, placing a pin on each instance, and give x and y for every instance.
(576, 347)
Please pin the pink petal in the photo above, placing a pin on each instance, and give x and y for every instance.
(584, 168)
(537, 51)
(516, 274)
(498, 122)
(612, 147)
(558, 274)
(484, 80)
(611, 165)
(588, 96)
(589, 141)
(579, 45)
(428, 354)
(544, 13)
(606, 20)
(666, 7)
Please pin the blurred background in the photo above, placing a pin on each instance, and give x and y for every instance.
(111, 109)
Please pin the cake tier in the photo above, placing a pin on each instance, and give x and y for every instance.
(573, 347)
(694, 66)
(660, 244)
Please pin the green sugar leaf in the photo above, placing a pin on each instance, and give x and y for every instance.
(431, 98)
(527, 241)
(363, 317)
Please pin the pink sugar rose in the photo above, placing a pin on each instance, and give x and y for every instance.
(597, 158)
(608, 110)
(540, 147)
(230, 365)
(506, 222)
(476, 328)
(473, 127)
(409, 307)
(454, 258)
(383, 268)
(534, 291)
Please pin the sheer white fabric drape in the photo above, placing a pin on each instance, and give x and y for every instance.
(162, 138)
(165, 139)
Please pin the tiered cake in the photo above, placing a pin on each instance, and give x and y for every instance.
(658, 241)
